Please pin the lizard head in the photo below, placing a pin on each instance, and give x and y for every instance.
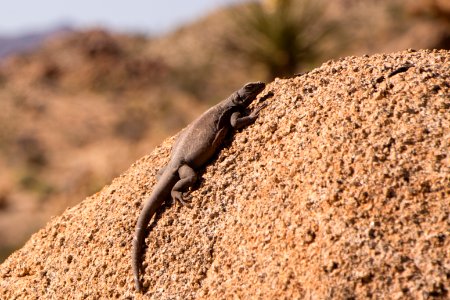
(248, 93)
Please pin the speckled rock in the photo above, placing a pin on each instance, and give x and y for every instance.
(340, 190)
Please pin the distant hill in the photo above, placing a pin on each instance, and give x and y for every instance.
(29, 41)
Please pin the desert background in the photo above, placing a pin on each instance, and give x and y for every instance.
(339, 190)
(79, 106)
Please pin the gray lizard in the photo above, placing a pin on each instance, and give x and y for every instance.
(193, 149)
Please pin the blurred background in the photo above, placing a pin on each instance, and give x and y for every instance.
(87, 88)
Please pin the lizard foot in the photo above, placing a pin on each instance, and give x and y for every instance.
(180, 198)
(255, 112)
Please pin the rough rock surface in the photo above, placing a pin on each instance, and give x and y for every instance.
(340, 190)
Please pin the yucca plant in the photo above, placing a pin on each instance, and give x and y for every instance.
(280, 34)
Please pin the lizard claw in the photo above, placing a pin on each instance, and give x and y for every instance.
(256, 111)
(182, 199)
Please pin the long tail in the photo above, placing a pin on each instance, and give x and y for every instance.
(160, 193)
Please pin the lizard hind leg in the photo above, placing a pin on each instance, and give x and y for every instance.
(187, 179)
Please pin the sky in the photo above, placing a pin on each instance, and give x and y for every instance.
(144, 16)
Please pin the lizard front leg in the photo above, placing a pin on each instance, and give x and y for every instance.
(237, 121)
(187, 179)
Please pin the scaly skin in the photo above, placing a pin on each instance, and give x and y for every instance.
(192, 150)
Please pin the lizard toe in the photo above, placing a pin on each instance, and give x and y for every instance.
(180, 198)
(257, 110)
